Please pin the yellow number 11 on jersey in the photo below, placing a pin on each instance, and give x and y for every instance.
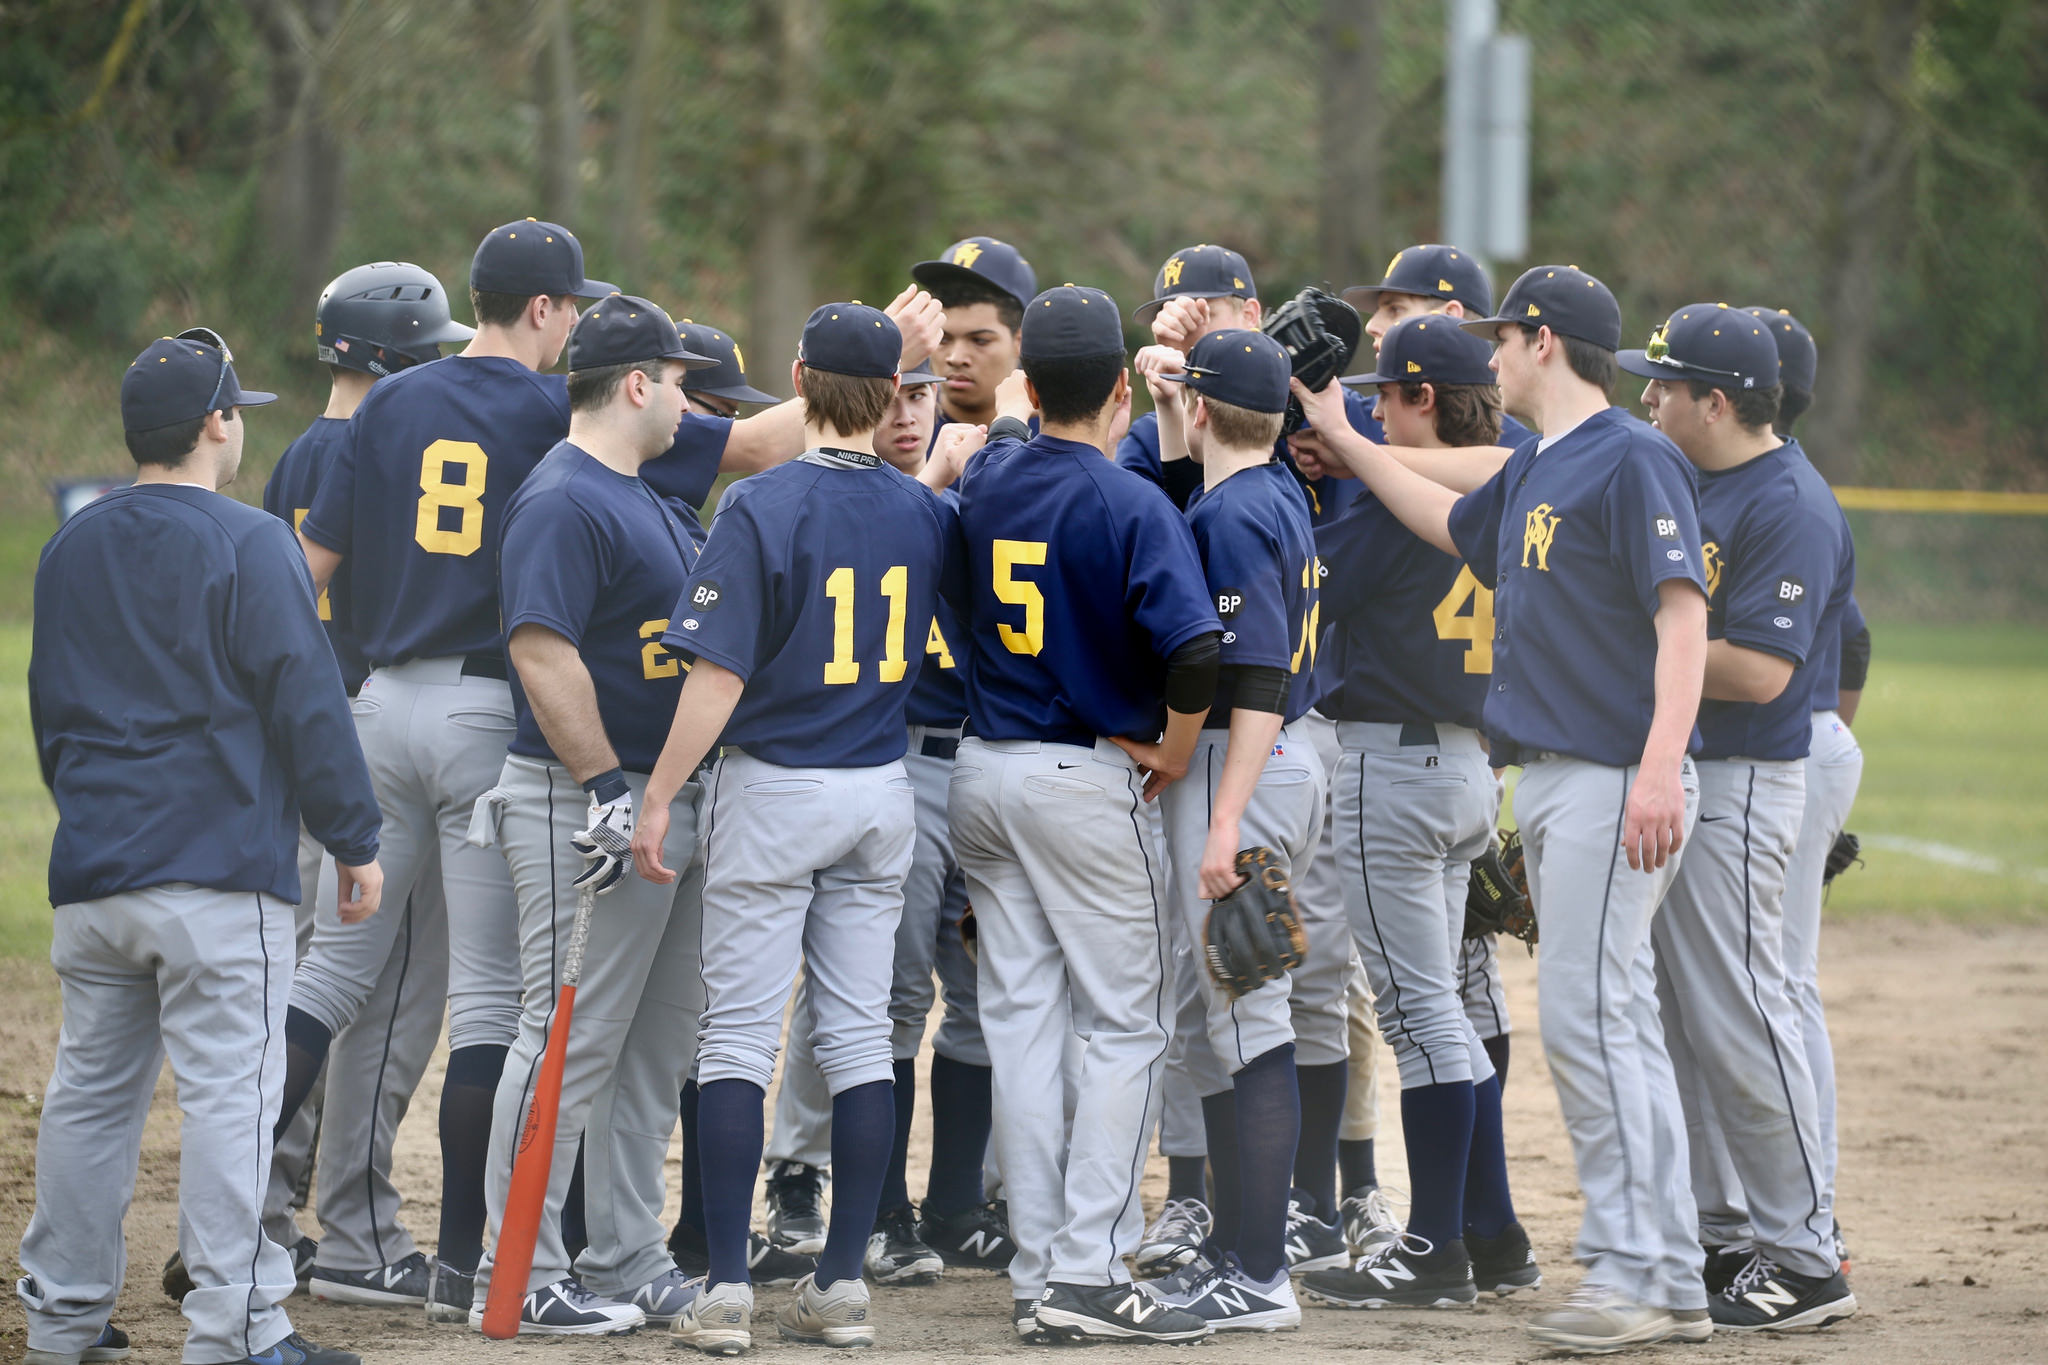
(843, 667)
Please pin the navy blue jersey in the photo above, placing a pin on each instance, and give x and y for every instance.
(186, 706)
(1081, 580)
(416, 496)
(597, 558)
(816, 587)
(1259, 556)
(939, 696)
(1182, 479)
(289, 496)
(1780, 565)
(1409, 629)
(1576, 537)
(1826, 662)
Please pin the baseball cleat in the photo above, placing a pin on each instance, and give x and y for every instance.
(1311, 1243)
(1024, 1318)
(662, 1299)
(1406, 1273)
(1368, 1218)
(896, 1256)
(716, 1322)
(1175, 1286)
(837, 1316)
(1175, 1236)
(296, 1350)
(401, 1283)
(566, 1309)
(1230, 1300)
(1841, 1248)
(1595, 1322)
(767, 1264)
(1121, 1312)
(795, 1194)
(450, 1293)
(1690, 1324)
(110, 1344)
(1503, 1264)
(1723, 1264)
(1767, 1298)
(978, 1238)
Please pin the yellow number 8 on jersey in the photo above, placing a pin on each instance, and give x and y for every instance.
(437, 493)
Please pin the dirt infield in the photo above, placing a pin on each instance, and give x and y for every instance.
(1941, 1033)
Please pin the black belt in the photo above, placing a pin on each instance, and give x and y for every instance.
(1418, 732)
(939, 746)
(484, 666)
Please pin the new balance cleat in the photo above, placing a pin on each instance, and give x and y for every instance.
(566, 1309)
(664, 1298)
(401, 1283)
(1407, 1273)
(834, 1316)
(1311, 1244)
(978, 1238)
(767, 1263)
(716, 1323)
(1765, 1297)
(1230, 1300)
(1118, 1312)
(1369, 1221)
(896, 1256)
(1504, 1264)
(1723, 1264)
(450, 1293)
(1596, 1321)
(795, 1196)
(1175, 1236)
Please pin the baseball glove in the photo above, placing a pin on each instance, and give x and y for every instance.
(1846, 853)
(1320, 333)
(970, 935)
(1253, 934)
(1497, 901)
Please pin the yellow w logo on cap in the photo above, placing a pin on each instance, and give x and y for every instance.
(966, 254)
(737, 358)
(1171, 274)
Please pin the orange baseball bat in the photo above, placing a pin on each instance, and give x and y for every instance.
(512, 1259)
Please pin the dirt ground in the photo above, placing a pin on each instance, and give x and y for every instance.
(1941, 1033)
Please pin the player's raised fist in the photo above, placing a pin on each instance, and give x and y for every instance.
(1324, 409)
(1154, 363)
(1013, 399)
(956, 443)
(920, 318)
(1180, 322)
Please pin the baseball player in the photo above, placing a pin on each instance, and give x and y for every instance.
(982, 284)
(1779, 568)
(414, 502)
(1254, 781)
(718, 390)
(371, 321)
(1834, 768)
(1198, 291)
(187, 711)
(1416, 802)
(1590, 537)
(1087, 609)
(957, 1224)
(800, 613)
(589, 560)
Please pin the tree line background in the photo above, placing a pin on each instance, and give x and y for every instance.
(1878, 166)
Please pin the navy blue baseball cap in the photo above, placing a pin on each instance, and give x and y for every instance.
(921, 375)
(1198, 272)
(726, 376)
(177, 379)
(621, 328)
(1798, 357)
(1430, 271)
(851, 339)
(1070, 322)
(1429, 349)
(982, 260)
(1563, 298)
(1243, 368)
(1710, 342)
(531, 257)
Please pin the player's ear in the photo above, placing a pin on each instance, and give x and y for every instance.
(1454, 309)
(1252, 313)
(796, 377)
(1200, 416)
(1426, 400)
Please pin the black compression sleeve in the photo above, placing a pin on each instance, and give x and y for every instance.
(1191, 674)
(1254, 688)
(1009, 429)
(1856, 661)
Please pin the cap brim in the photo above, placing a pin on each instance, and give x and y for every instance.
(1639, 364)
(1489, 328)
(253, 398)
(736, 393)
(920, 375)
(595, 289)
(1360, 381)
(691, 360)
(931, 274)
(1145, 311)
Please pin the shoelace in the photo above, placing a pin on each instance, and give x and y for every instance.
(1589, 1297)
(1179, 1215)
(1196, 1276)
(1752, 1276)
(576, 1294)
(1404, 1241)
(1379, 1209)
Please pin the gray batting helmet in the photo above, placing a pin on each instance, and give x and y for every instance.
(384, 317)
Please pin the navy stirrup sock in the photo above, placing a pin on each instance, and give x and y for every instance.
(863, 1124)
(468, 1095)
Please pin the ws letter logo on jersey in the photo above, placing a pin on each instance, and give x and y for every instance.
(1711, 551)
(1537, 534)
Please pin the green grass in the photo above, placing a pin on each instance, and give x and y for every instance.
(27, 816)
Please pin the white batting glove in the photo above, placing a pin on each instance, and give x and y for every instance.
(606, 843)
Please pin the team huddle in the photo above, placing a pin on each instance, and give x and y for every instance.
(980, 699)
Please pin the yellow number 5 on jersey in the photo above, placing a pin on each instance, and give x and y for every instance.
(467, 497)
(1477, 627)
(1020, 592)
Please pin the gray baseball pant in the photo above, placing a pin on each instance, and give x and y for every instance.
(1285, 814)
(1414, 805)
(435, 741)
(1596, 979)
(1834, 769)
(1074, 945)
(291, 1162)
(1732, 1033)
(200, 975)
(1480, 986)
(631, 1039)
(801, 864)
